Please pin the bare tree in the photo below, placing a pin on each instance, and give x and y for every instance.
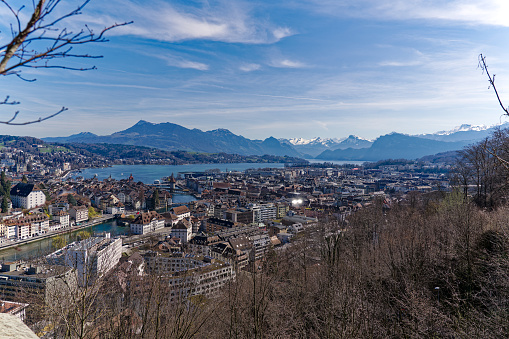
(42, 40)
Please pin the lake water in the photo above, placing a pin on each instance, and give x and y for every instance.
(148, 173)
(337, 162)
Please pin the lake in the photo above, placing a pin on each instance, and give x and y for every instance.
(337, 162)
(148, 173)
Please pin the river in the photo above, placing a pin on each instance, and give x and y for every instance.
(44, 246)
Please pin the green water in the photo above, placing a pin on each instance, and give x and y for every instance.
(44, 246)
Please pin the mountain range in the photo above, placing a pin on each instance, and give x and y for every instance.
(172, 137)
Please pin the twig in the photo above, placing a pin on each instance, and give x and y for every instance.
(484, 68)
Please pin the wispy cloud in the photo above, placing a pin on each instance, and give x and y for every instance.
(250, 67)
(481, 12)
(282, 32)
(287, 63)
(224, 20)
(400, 63)
(191, 64)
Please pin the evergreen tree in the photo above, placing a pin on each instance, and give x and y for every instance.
(5, 204)
(24, 179)
(155, 198)
(71, 200)
(6, 185)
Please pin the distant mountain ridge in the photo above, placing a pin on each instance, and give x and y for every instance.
(172, 137)
(393, 146)
(315, 146)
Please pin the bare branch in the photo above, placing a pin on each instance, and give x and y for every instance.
(11, 121)
(42, 41)
(491, 79)
(7, 102)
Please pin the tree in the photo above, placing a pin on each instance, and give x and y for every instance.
(6, 184)
(155, 198)
(92, 213)
(71, 200)
(5, 204)
(82, 235)
(24, 179)
(58, 242)
(41, 40)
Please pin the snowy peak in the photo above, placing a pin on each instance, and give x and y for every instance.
(352, 137)
(464, 128)
(314, 141)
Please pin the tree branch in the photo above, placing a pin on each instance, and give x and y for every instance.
(41, 41)
(484, 68)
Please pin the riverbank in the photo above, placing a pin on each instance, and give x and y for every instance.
(97, 221)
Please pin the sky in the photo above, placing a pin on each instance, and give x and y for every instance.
(287, 68)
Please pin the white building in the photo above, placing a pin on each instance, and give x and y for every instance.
(61, 218)
(26, 196)
(182, 212)
(93, 257)
(147, 222)
(79, 213)
(183, 231)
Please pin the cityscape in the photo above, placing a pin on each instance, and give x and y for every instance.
(254, 169)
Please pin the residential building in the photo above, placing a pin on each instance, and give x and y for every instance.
(18, 282)
(182, 230)
(182, 212)
(79, 213)
(147, 222)
(27, 196)
(91, 258)
(62, 218)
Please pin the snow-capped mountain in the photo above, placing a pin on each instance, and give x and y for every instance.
(312, 147)
(464, 128)
(314, 141)
(465, 132)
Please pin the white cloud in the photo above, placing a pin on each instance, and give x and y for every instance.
(250, 67)
(286, 63)
(191, 64)
(181, 62)
(481, 12)
(400, 63)
(223, 20)
(282, 32)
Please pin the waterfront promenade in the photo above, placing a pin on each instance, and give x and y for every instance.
(96, 221)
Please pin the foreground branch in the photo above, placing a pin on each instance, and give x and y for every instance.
(12, 122)
(491, 79)
(42, 40)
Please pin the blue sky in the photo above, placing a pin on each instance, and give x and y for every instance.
(289, 68)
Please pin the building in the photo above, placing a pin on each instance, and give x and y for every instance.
(147, 222)
(182, 212)
(263, 212)
(79, 213)
(183, 231)
(27, 196)
(91, 258)
(62, 218)
(261, 244)
(14, 308)
(188, 274)
(50, 282)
